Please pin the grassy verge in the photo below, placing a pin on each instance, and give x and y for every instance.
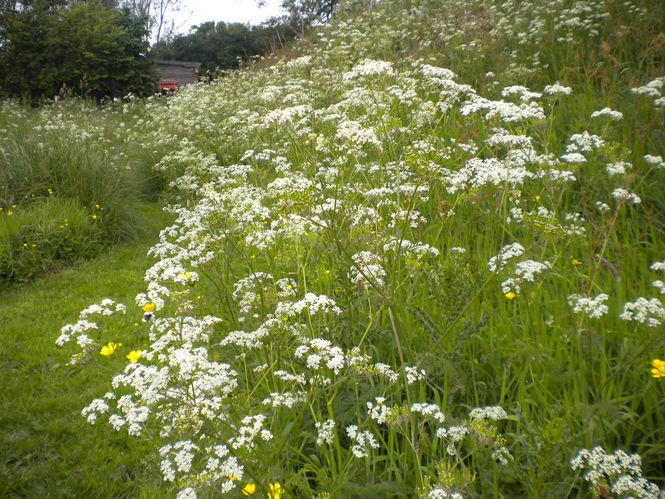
(48, 448)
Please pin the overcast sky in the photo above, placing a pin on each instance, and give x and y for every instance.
(195, 12)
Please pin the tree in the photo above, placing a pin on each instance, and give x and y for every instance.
(156, 13)
(90, 48)
(309, 11)
(220, 45)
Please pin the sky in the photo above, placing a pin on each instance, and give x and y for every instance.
(195, 12)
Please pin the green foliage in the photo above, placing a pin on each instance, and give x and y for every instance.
(395, 199)
(69, 184)
(47, 445)
(86, 48)
(222, 46)
(51, 231)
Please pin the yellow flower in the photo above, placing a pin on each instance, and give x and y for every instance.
(249, 489)
(134, 355)
(185, 275)
(148, 307)
(576, 262)
(108, 350)
(9, 213)
(275, 490)
(658, 370)
(94, 217)
(510, 295)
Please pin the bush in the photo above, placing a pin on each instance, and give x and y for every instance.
(51, 231)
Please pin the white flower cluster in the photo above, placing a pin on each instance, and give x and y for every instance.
(492, 413)
(592, 307)
(287, 115)
(658, 265)
(310, 302)
(378, 411)
(656, 161)
(441, 493)
(506, 253)
(524, 93)
(430, 410)
(408, 248)
(355, 136)
(620, 472)
(325, 432)
(363, 441)
(321, 353)
(524, 271)
(649, 312)
(369, 67)
(78, 330)
(105, 307)
(250, 431)
(557, 89)
(609, 113)
(277, 399)
(584, 142)
(505, 111)
(367, 269)
(618, 167)
(478, 172)
(651, 89)
(621, 194)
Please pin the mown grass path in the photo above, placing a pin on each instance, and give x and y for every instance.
(48, 449)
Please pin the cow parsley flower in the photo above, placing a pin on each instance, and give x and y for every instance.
(609, 113)
(649, 312)
(592, 307)
(325, 432)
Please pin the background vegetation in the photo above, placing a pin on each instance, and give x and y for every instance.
(472, 189)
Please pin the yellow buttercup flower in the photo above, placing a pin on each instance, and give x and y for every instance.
(658, 370)
(576, 262)
(134, 356)
(510, 295)
(249, 489)
(275, 490)
(148, 307)
(109, 349)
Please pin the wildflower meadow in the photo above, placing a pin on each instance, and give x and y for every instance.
(419, 254)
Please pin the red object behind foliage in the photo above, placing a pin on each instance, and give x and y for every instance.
(167, 85)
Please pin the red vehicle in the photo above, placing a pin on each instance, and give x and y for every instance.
(162, 86)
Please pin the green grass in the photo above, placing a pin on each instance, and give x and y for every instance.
(565, 379)
(49, 450)
(71, 162)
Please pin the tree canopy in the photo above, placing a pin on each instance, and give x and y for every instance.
(221, 45)
(91, 48)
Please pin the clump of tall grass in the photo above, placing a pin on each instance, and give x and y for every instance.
(393, 273)
(68, 158)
